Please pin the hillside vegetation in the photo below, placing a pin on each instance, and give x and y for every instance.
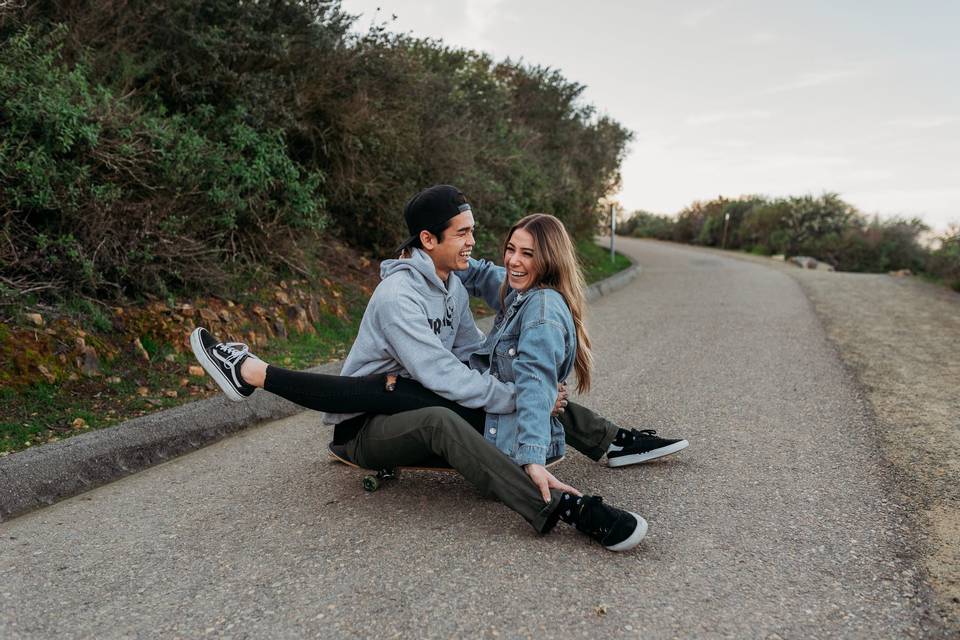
(173, 147)
(824, 227)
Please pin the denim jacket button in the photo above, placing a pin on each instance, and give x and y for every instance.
(511, 351)
(493, 431)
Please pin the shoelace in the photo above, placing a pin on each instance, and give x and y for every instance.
(645, 432)
(234, 352)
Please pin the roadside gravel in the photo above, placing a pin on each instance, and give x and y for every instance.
(901, 338)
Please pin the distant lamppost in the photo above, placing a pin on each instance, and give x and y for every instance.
(613, 230)
(726, 221)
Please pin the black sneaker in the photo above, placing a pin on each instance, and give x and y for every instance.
(222, 361)
(615, 529)
(646, 446)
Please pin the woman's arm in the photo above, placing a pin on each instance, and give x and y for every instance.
(540, 354)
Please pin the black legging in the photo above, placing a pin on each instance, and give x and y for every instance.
(367, 394)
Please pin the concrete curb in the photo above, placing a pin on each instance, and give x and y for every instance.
(39, 477)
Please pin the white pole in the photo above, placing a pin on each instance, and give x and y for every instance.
(613, 229)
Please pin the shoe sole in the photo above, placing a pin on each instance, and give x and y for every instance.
(211, 368)
(637, 458)
(635, 537)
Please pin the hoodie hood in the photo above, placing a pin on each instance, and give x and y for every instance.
(419, 262)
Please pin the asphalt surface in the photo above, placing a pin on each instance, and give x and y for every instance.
(775, 523)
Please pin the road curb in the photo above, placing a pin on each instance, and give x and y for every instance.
(49, 473)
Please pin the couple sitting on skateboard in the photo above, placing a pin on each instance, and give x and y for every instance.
(487, 405)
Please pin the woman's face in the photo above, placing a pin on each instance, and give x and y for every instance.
(519, 260)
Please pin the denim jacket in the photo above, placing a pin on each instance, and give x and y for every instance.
(533, 344)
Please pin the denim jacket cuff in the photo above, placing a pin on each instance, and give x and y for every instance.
(531, 454)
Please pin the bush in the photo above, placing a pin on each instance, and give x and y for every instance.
(108, 198)
(944, 262)
(201, 141)
(643, 224)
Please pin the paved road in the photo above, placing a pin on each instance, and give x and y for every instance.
(773, 524)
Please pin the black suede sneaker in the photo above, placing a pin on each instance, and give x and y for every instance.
(615, 529)
(222, 361)
(646, 446)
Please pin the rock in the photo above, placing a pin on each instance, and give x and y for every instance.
(280, 328)
(297, 318)
(49, 377)
(90, 362)
(138, 347)
(34, 318)
(804, 262)
(195, 370)
(313, 311)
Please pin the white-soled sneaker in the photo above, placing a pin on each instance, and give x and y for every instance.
(615, 529)
(222, 360)
(646, 446)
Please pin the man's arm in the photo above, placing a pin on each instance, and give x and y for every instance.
(483, 279)
(469, 338)
(419, 350)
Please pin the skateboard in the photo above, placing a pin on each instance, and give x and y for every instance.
(373, 481)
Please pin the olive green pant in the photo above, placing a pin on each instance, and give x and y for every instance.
(417, 437)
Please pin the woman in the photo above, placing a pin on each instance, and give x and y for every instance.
(534, 344)
(538, 338)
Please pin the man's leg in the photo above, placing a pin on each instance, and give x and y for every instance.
(593, 435)
(412, 437)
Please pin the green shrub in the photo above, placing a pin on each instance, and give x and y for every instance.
(204, 141)
(108, 198)
(944, 261)
(643, 224)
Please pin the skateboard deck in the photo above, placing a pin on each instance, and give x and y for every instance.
(373, 481)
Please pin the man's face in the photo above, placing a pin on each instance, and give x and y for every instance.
(452, 253)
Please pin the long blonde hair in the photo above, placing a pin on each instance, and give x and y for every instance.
(558, 269)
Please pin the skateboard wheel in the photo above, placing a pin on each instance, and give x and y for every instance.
(371, 483)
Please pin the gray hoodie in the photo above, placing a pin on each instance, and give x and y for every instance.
(419, 327)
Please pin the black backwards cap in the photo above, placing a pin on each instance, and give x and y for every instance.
(430, 209)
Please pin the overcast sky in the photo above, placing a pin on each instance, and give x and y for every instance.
(744, 96)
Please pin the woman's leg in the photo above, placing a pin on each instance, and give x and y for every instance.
(239, 373)
(368, 394)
